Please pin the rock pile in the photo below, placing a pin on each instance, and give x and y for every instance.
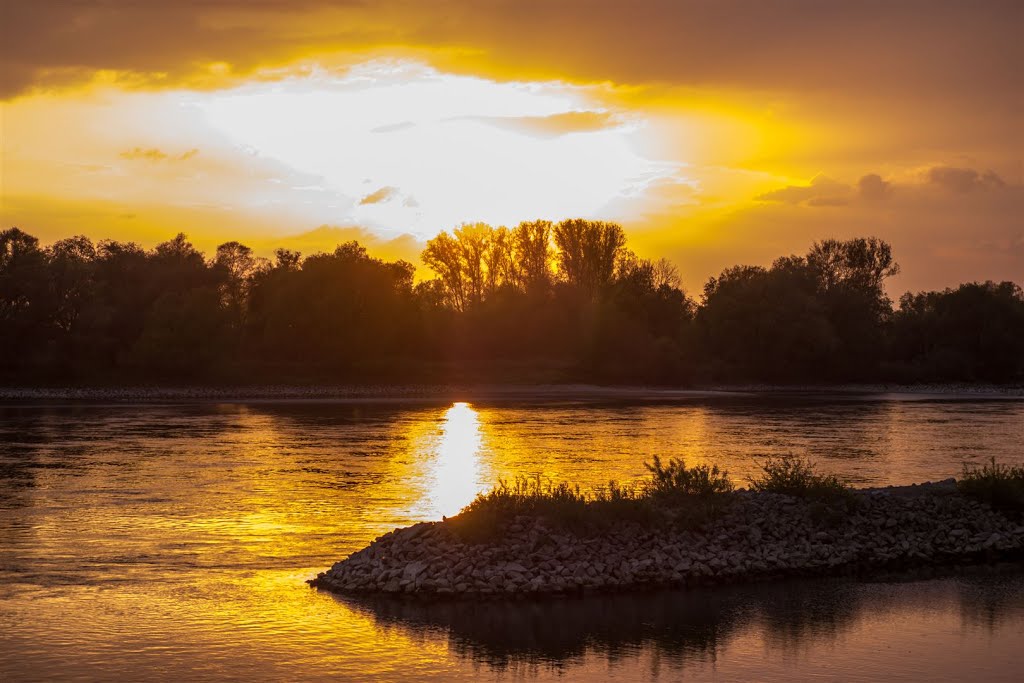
(758, 536)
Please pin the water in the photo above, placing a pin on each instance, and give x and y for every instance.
(172, 541)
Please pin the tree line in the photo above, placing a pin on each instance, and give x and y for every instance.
(542, 301)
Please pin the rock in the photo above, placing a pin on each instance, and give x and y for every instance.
(413, 570)
(758, 534)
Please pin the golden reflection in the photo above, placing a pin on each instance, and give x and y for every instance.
(455, 470)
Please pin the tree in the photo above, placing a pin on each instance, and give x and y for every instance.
(863, 263)
(850, 276)
(588, 252)
(973, 332)
(532, 254)
(71, 302)
(444, 256)
(24, 284)
(473, 240)
(235, 266)
(765, 324)
(500, 261)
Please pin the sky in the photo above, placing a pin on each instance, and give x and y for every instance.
(716, 133)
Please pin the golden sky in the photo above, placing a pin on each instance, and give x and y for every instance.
(715, 132)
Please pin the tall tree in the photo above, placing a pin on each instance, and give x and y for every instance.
(588, 252)
(443, 255)
(532, 252)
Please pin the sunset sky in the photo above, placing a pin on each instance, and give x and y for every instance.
(716, 133)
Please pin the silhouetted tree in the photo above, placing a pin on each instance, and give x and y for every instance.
(532, 255)
(973, 332)
(850, 277)
(765, 324)
(24, 281)
(498, 309)
(588, 252)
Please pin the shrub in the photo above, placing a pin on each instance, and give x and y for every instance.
(562, 504)
(794, 476)
(1001, 486)
(676, 495)
(675, 479)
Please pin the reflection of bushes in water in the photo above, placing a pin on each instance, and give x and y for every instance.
(680, 625)
(988, 597)
(505, 634)
(693, 625)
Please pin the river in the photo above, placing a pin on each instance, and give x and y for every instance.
(148, 540)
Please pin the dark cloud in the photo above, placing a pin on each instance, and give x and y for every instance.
(384, 194)
(822, 191)
(963, 180)
(873, 187)
(947, 47)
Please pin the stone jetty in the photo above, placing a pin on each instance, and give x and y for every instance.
(757, 536)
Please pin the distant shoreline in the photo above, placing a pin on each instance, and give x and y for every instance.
(386, 393)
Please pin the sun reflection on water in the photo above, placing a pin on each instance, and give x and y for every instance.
(455, 470)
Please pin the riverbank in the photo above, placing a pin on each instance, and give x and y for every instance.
(756, 536)
(494, 392)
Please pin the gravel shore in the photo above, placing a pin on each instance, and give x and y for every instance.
(759, 536)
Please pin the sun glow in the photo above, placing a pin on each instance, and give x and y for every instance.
(401, 146)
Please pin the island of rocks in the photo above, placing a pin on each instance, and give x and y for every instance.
(757, 536)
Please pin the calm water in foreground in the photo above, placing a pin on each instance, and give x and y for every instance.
(172, 541)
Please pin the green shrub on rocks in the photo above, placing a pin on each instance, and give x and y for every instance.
(1001, 486)
(794, 476)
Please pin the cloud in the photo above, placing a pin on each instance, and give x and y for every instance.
(939, 238)
(822, 191)
(393, 127)
(384, 194)
(828, 201)
(942, 46)
(554, 125)
(154, 154)
(873, 187)
(963, 180)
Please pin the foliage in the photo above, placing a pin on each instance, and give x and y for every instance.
(973, 332)
(794, 476)
(541, 301)
(675, 480)
(1001, 486)
(674, 495)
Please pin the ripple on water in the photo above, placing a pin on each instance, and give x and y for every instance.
(173, 541)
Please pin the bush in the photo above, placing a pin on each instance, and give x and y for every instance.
(676, 480)
(1001, 486)
(794, 476)
(675, 496)
(562, 504)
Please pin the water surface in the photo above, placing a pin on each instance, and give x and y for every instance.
(142, 541)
